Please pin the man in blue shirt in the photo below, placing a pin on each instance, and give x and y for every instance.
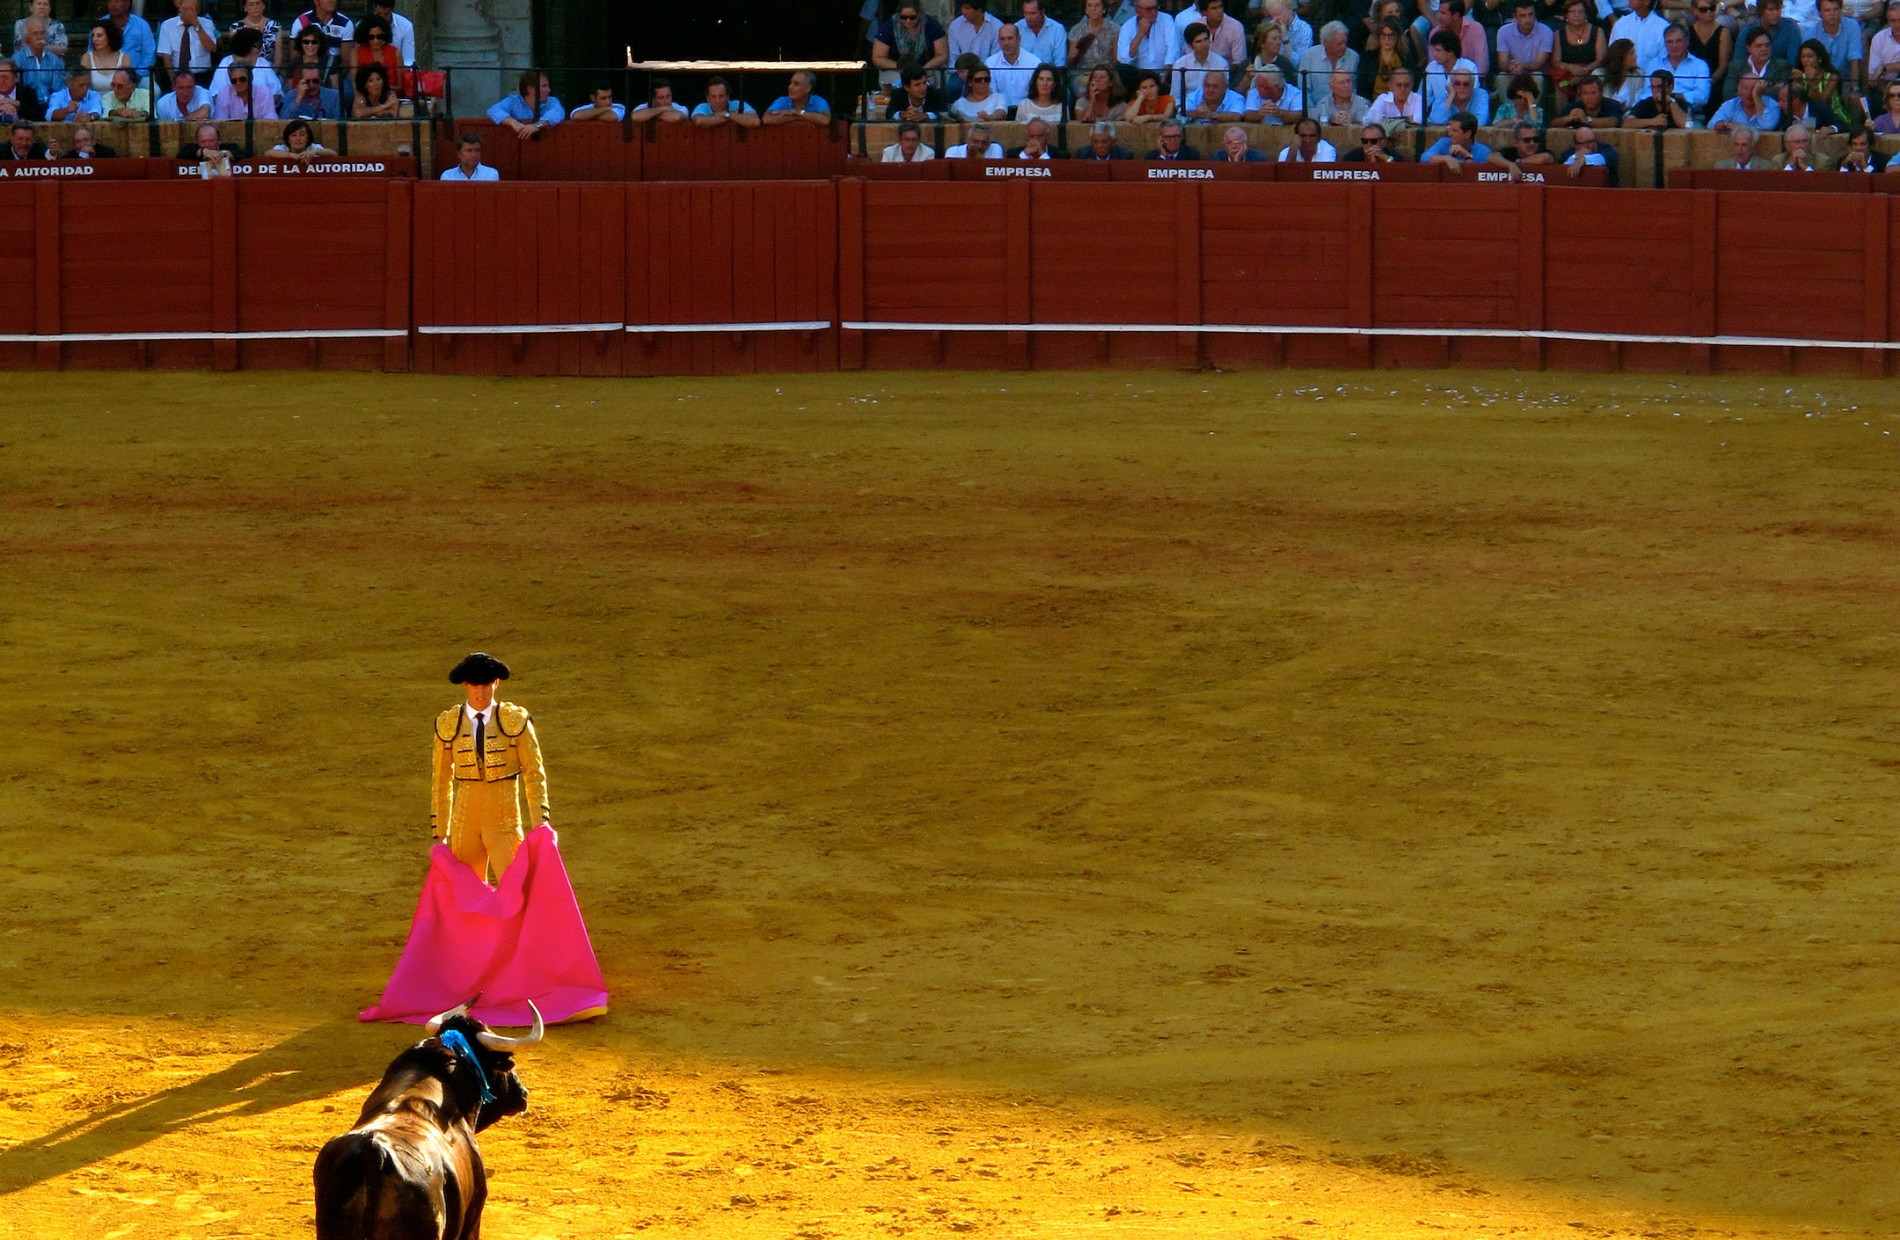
(1751, 108)
(78, 103)
(721, 108)
(531, 109)
(310, 99)
(188, 101)
(1459, 146)
(798, 103)
(139, 43)
(1842, 40)
(39, 68)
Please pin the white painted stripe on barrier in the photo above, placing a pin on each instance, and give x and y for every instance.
(366, 333)
(810, 325)
(1249, 329)
(515, 329)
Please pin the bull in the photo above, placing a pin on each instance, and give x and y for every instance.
(411, 1169)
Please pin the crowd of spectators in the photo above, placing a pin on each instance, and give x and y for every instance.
(119, 68)
(1804, 68)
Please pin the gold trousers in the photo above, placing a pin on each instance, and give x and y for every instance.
(485, 823)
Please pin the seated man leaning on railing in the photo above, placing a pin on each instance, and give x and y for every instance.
(659, 105)
(917, 100)
(600, 105)
(798, 105)
(720, 108)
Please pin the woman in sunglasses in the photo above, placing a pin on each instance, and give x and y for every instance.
(1889, 121)
(978, 102)
(1709, 40)
(374, 48)
(309, 52)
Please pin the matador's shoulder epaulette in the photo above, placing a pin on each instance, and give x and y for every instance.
(513, 719)
(447, 722)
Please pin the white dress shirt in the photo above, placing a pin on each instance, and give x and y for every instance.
(1645, 32)
(1324, 153)
(1188, 71)
(961, 150)
(1010, 79)
(1159, 47)
(894, 154)
(171, 32)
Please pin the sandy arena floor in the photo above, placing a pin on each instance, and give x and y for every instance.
(1125, 805)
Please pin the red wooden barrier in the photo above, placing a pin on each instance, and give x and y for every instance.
(718, 277)
(763, 254)
(1777, 182)
(544, 258)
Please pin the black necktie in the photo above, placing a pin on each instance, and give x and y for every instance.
(481, 745)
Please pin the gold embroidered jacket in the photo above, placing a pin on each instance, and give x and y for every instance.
(513, 753)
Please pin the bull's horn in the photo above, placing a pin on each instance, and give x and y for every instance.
(460, 1009)
(497, 1042)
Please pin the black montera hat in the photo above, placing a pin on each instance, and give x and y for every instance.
(479, 668)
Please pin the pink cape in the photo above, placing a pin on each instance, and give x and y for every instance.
(519, 941)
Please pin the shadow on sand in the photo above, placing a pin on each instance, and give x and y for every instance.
(311, 1064)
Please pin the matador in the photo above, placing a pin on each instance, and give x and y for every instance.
(484, 760)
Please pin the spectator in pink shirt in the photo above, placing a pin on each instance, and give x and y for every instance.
(242, 99)
(1472, 45)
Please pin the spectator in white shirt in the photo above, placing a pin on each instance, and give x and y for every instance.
(909, 147)
(1194, 64)
(1308, 147)
(1399, 106)
(976, 145)
(199, 36)
(1044, 101)
(469, 165)
(978, 102)
(1011, 66)
(1224, 36)
(1214, 102)
(1644, 27)
(187, 101)
(974, 30)
(1270, 101)
(1046, 39)
(1690, 74)
(1147, 41)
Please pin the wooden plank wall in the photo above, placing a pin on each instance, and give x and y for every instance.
(525, 254)
(1467, 265)
(757, 252)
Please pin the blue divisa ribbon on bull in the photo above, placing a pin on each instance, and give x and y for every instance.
(455, 1041)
